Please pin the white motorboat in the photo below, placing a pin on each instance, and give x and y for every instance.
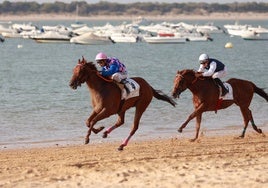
(90, 38)
(164, 40)
(123, 37)
(51, 37)
(253, 35)
(195, 36)
(82, 30)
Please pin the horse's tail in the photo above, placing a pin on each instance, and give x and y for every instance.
(161, 96)
(261, 92)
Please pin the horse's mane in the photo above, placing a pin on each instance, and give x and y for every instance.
(192, 72)
(91, 65)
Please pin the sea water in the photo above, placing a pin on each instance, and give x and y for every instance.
(38, 108)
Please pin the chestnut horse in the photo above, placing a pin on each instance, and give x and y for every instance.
(106, 99)
(206, 97)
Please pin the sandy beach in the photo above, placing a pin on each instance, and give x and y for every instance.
(223, 161)
(212, 16)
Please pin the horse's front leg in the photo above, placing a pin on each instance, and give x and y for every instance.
(93, 119)
(197, 127)
(96, 131)
(197, 111)
(92, 115)
(88, 123)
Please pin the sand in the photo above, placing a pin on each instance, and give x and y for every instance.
(222, 161)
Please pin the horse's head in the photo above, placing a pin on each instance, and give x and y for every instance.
(181, 82)
(81, 73)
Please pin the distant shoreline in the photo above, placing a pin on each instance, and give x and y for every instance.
(213, 16)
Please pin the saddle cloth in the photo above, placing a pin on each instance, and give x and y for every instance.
(229, 95)
(133, 87)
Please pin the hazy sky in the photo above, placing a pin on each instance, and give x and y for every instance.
(131, 1)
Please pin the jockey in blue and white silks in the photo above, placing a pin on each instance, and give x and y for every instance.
(112, 68)
(214, 68)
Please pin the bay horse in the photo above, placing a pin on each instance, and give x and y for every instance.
(206, 97)
(106, 99)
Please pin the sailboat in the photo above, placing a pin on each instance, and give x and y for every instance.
(77, 23)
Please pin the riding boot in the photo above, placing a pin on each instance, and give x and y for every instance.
(224, 90)
(124, 82)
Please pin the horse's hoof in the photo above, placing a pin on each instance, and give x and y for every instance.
(101, 128)
(120, 148)
(86, 141)
(259, 131)
(180, 130)
(105, 134)
(240, 137)
(193, 140)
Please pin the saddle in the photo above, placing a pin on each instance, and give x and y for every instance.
(129, 88)
(227, 96)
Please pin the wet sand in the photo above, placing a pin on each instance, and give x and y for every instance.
(222, 161)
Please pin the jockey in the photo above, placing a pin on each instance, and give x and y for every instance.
(214, 68)
(112, 68)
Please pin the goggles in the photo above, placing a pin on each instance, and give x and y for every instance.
(203, 61)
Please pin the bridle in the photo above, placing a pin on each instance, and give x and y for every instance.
(181, 77)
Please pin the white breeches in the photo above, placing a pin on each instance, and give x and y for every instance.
(220, 74)
(119, 76)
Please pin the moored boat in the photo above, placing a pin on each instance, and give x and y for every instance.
(124, 37)
(90, 38)
(253, 35)
(163, 40)
(51, 37)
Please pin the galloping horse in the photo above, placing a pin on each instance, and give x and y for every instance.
(206, 97)
(106, 99)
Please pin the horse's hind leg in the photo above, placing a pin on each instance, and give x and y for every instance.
(198, 111)
(253, 124)
(135, 126)
(120, 121)
(247, 115)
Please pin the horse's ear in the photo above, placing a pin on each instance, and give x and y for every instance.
(84, 61)
(79, 62)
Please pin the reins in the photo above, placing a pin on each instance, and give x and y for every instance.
(100, 76)
(196, 78)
